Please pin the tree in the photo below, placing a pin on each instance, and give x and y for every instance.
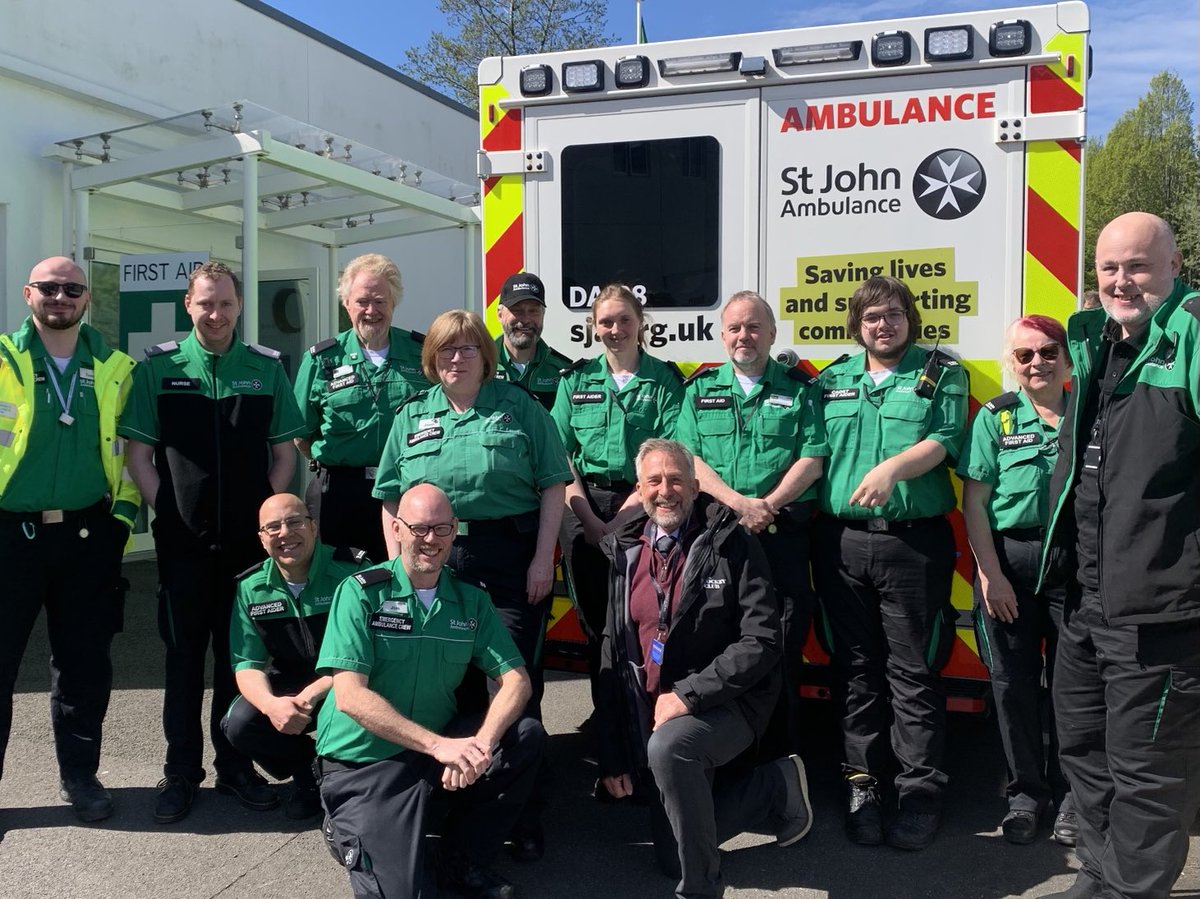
(1149, 161)
(482, 28)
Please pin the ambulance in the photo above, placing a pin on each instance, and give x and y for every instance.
(944, 150)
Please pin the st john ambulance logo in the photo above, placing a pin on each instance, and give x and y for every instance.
(949, 184)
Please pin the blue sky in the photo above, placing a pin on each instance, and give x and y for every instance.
(1132, 40)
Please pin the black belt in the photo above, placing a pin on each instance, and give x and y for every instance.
(57, 516)
(879, 525)
(353, 472)
(617, 486)
(522, 524)
(1023, 533)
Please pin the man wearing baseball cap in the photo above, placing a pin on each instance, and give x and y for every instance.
(524, 358)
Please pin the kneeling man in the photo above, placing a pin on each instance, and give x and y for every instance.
(393, 754)
(690, 673)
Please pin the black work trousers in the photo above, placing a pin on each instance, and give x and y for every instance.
(340, 499)
(1127, 699)
(886, 597)
(195, 601)
(281, 755)
(377, 815)
(1012, 653)
(702, 810)
(78, 580)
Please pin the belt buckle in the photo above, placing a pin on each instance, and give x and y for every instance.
(877, 525)
(52, 516)
(369, 473)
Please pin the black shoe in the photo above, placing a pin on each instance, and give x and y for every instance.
(1066, 826)
(175, 796)
(798, 817)
(1020, 826)
(864, 822)
(913, 830)
(88, 797)
(250, 788)
(1084, 887)
(460, 875)
(528, 844)
(303, 802)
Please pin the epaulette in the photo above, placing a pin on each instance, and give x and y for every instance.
(417, 336)
(408, 399)
(264, 351)
(373, 576)
(257, 566)
(677, 371)
(945, 360)
(574, 366)
(838, 361)
(321, 347)
(159, 349)
(351, 554)
(1003, 401)
(1192, 305)
(798, 374)
(700, 373)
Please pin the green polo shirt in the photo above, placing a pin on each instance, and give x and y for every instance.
(541, 374)
(412, 657)
(602, 427)
(348, 402)
(867, 423)
(1014, 450)
(61, 468)
(751, 440)
(493, 460)
(264, 602)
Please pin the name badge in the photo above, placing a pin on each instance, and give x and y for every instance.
(428, 423)
(1010, 441)
(180, 383)
(587, 396)
(394, 607)
(780, 399)
(274, 607)
(840, 393)
(656, 651)
(342, 370)
(714, 402)
(392, 624)
(425, 434)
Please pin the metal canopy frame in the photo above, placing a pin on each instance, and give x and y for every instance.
(242, 164)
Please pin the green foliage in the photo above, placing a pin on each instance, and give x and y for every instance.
(481, 28)
(1148, 161)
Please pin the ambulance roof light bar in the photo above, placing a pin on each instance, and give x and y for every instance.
(952, 42)
(806, 54)
(891, 48)
(699, 65)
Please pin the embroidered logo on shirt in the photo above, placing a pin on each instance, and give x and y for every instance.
(426, 434)
(274, 607)
(840, 393)
(246, 384)
(457, 624)
(587, 396)
(1009, 441)
(397, 624)
(347, 381)
(714, 402)
(714, 583)
(180, 383)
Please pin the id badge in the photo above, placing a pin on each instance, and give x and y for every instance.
(656, 651)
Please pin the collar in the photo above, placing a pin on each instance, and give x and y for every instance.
(194, 350)
(540, 351)
(316, 567)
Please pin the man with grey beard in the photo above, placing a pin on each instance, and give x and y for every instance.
(524, 358)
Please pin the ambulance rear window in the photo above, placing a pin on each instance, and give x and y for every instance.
(645, 213)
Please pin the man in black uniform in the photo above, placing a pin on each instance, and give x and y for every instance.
(524, 358)
(210, 424)
(1125, 537)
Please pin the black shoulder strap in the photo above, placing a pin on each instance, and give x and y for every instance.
(373, 576)
(799, 374)
(408, 399)
(160, 349)
(418, 336)
(257, 566)
(350, 554)
(699, 373)
(1192, 305)
(1003, 401)
(838, 361)
(321, 347)
(264, 351)
(574, 366)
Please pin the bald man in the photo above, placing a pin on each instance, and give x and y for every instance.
(65, 515)
(1124, 536)
(278, 622)
(392, 746)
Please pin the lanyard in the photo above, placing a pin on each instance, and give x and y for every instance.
(66, 418)
(660, 577)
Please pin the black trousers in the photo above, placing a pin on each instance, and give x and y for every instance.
(588, 570)
(1013, 656)
(281, 755)
(195, 601)
(340, 499)
(886, 598)
(78, 581)
(377, 815)
(702, 810)
(1128, 704)
(787, 551)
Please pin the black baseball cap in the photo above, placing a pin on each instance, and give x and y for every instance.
(522, 286)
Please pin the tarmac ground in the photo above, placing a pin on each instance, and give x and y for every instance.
(594, 850)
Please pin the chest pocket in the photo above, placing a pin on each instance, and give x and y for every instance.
(394, 647)
(715, 423)
(779, 426)
(505, 451)
(642, 414)
(1024, 469)
(902, 424)
(585, 416)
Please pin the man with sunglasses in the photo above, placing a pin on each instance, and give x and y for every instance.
(397, 760)
(278, 622)
(1124, 538)
(62, 537)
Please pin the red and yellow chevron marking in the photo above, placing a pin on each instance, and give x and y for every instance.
(503, 201)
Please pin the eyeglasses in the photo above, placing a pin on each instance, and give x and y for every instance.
(293, 522)
(893, 317)
(467, 351)
(1024, 354)
(49, 289)
(424, 530)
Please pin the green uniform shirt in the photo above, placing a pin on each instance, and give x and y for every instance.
(602, 427)
(62, 468)
(867, 424)
(493, 460)
(412, 657)
(1014, 450)
(348, 402)
(751, 440)
(541, 374)
(265, 604)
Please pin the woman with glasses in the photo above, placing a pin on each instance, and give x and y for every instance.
(494, 451)
(605, 408)
(1006, 469)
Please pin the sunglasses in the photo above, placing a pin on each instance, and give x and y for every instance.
(50, 289)
(1024, 354)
